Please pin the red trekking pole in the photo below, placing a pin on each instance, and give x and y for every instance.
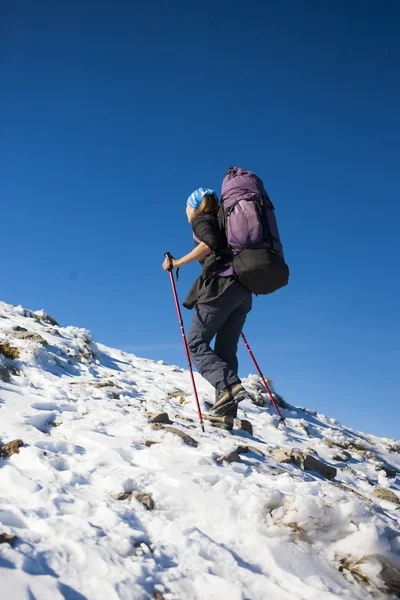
(281, 418)
(178, 310)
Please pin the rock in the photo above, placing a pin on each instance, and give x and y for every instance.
(45, 318)
(29, 336)
(55, 423)
(304, 461)
(244, 425)
(4, 374)
(18, 328)
(148, 443)
(246, 449)
(282, 455)
(9, 351)
(160, 417)
(391, 576)
(144, 497)
(230, 457)
(343, 456)
(184, 436)
(385, 494)
(310, 463)
(6, 538)
(390, 471)
(158, 596)
(10, 448)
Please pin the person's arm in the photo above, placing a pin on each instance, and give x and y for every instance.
(200, 252)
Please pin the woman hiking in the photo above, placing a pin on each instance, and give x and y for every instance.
(220, 303)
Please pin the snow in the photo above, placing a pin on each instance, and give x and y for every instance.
(252, 530)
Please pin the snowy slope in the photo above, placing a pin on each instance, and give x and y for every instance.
(255, 529)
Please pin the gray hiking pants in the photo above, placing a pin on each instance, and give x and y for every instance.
(223, 318)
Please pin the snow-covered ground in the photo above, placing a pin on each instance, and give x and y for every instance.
(251, 530)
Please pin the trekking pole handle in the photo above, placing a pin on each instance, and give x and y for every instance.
(170, 257)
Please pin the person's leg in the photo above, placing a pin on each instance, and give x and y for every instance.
(207, 320)
(226, 342)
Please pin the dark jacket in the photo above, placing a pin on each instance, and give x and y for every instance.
(217, 273)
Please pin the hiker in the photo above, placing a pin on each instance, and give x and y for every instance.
(221, 304)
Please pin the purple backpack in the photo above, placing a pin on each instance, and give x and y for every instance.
(247, 216)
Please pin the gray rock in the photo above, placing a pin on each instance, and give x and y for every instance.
(29, 336)
(160, 417)
(307, 462)
(310, 463)
(244, 425)
(246, 449)
(144, 497)
(282, 455)
(343, 456)
(4, 374)
(6, 538)
(385, 494)
(390, 471)
(10, 448)
(184, 436)
(230, 457)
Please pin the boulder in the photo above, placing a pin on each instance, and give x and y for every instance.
(244, 425)
(10, 448)
(29, 336)
(230, 457)
(385, 494)
(6, 538)
(9, 351)
(4, 374)
(144, 497)
(307, 462)
(160, 417)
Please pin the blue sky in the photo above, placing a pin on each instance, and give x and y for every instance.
(112, 113)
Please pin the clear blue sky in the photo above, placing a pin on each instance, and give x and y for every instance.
(112, 113)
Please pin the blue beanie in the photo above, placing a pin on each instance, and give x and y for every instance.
(196, 198)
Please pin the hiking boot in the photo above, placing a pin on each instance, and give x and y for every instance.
(228, 400)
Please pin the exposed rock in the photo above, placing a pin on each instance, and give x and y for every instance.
(391, 576)
(45, 318)
(230, 457)
(158, 596)
(343, 456)
(385, 494)
(181, 396)
(6, 538)
(149, 443)
(184, 436)
(9, 351)
(144, 497)
(14, 371)
(246, 449)
(310, 463)
(160, 417)
(244, 425)
(10, 448)
(4, 374)
(18, 328)
(390, 471)
(29, 336)
(304, 461)
(55, 423)
(282, 455)
(103, 384)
